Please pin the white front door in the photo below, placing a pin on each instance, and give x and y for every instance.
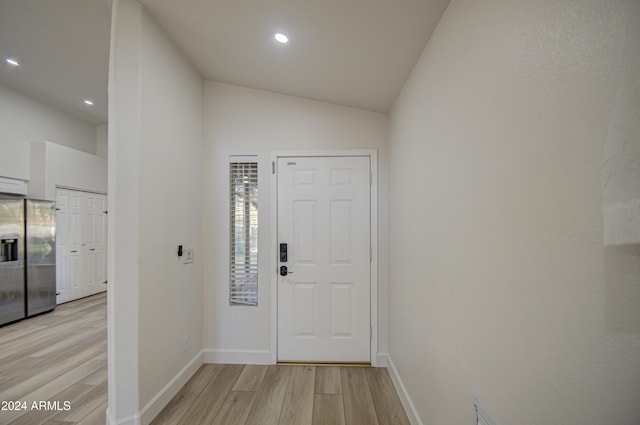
(324, 217)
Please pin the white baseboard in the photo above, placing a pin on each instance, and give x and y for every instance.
(405, 399)
(132, 420)
(213, 355)
(157, 403)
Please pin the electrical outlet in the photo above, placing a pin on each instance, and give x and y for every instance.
(185, 343)
(188, 256)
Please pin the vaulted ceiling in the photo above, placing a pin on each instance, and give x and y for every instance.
(351, 52)
(63, 50)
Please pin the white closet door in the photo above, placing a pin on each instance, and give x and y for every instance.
(62, 247)
(95, 249)
(77, 285)
(80, 244)
(100, 229)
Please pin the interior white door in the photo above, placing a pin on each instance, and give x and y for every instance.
(94, 246)
(75, 269)
(81, 252)
(324, 300)
(100, 228)
(62, 247)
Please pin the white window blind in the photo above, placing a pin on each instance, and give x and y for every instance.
(243, 268)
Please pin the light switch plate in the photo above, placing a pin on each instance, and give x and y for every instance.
(187, 256)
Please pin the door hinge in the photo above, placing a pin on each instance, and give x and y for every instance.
(370, 332)
(370, 254)
(273, 167)
(370, 178)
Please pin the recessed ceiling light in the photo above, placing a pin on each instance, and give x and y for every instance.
(281, 38)
(12, 61)
(88, 102)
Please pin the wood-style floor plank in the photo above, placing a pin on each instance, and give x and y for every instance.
(182, 401)
(358, 404)
(85, 404)
(388, 407)
(328, 409)
(95, 417)
(298, 403)
(236, 408)
(328, 380)
(250, 378)
(268, 404)
(206, 406)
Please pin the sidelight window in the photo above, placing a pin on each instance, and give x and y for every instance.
(243, 269)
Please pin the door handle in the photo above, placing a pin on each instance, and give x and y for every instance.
(284, 271)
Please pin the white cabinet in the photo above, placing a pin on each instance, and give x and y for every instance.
(81, 248)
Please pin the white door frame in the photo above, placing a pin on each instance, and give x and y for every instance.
(273, 251)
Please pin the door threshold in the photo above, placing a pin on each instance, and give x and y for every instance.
(343, 364)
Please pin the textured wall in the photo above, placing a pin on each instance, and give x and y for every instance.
(500, 287)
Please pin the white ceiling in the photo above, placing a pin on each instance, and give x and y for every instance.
(351, 52)
(63, 50)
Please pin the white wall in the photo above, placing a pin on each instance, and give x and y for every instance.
(53, 165)
(155, 194)
(500, 286)
(241, 121)
(102, 140)
(170, 209)
(621, 170)
(24, 119)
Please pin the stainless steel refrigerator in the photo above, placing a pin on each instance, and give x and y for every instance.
(27, 258)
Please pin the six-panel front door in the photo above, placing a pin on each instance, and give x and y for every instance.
(324, 296)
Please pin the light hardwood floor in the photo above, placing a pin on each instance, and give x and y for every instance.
(62, 356)
(285, 395)
(56, 357)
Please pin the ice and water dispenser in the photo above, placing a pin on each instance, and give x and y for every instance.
(8, 250)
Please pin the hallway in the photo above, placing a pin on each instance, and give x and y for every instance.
(61, 358)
